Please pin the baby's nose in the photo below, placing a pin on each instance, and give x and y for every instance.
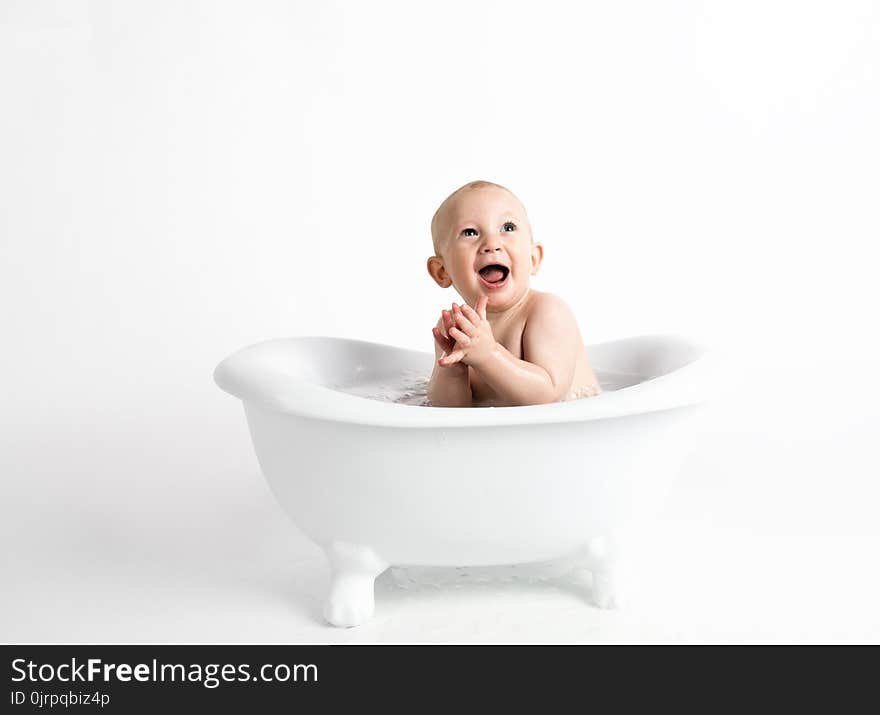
(490, 248)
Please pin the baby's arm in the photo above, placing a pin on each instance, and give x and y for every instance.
(449, 386)
(550, 343)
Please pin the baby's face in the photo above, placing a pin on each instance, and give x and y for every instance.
(484, 244)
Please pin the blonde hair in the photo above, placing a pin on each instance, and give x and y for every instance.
(479, 184)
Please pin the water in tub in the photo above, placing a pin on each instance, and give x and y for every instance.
(411, 388)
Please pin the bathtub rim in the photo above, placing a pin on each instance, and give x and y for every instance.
(239, 375)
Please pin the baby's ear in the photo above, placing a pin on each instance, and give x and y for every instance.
(438, 272)
(537, 257)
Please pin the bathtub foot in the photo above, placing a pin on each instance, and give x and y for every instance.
(601, 559)
(604, 592)
(353, 571)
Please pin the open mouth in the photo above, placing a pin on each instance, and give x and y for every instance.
(494, 275)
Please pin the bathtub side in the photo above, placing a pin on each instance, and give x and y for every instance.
(290, 376)
(468, 496)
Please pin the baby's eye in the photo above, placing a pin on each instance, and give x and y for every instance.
(465, 232)
(509, 226)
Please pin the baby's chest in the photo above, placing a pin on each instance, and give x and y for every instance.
(512, 342)
(510, 336)
(480, 390)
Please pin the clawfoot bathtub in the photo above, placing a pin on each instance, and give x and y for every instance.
(379, 483)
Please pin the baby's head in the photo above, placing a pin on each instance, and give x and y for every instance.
(478, 226)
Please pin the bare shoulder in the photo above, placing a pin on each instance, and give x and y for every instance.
(549, 311)
(551, 340)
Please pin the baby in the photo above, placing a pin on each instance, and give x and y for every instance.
(506, 344)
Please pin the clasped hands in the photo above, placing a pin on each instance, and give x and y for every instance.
(464, 335)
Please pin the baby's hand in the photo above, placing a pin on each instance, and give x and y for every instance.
(444, 343)
(474, 341)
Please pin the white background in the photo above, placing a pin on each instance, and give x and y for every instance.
(181, 179)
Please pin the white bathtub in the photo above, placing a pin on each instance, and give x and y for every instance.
(378, 483)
